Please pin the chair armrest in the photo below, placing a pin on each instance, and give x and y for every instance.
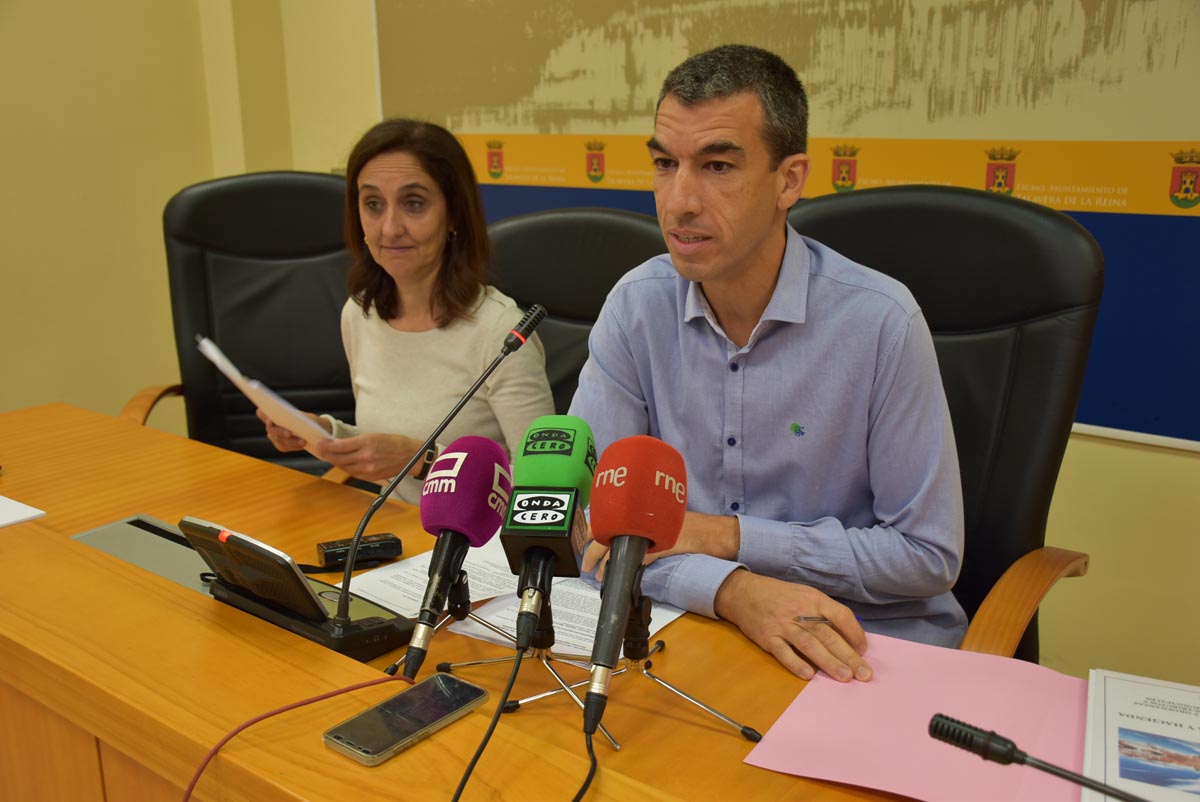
(138, 408)
(336, 475)
(1001, 620)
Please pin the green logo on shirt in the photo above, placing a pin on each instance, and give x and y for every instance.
(797, 430)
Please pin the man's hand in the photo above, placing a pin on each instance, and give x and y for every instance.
(717, 535)
(370, 457)
(284, 439)
(765, 609)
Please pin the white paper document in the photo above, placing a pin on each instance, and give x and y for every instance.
(277, 409)
(400, 586)
(575, 604)
(14, 512)
(1143, 736)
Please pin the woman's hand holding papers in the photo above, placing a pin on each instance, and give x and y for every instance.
(285, 439)
(369, 457)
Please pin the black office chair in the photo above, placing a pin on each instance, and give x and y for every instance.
(1010, 290)
(567, 260)
(257, 263)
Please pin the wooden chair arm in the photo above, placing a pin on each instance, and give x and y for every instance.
(336, 475)
(1001, 620)
(138, 408)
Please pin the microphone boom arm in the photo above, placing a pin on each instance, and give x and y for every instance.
(527, 324)
(990, 746)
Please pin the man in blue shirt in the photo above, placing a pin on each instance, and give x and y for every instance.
(802, 390)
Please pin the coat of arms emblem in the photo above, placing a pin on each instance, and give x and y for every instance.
(845, 167)
(1185, 178)
(1001, 170)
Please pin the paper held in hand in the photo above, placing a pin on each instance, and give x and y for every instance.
(276, 408)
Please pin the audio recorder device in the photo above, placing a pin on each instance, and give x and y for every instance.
(267, 583)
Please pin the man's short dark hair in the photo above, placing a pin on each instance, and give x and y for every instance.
(731, 69)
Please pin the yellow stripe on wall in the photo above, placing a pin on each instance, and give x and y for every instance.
(1118, 177)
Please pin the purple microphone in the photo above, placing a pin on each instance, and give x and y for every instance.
(463, 503)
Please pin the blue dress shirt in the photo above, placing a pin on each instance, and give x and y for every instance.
(827, 435)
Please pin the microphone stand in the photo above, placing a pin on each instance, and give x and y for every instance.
(458, 608)
(637, 655)
(516, 338)
(541, 650)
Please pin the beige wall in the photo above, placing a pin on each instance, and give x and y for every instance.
(104, 119)
(333, 79)
(111, 108)
(291, 84)
(1133, 509)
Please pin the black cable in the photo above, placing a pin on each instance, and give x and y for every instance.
(587, 781)
(487, 736)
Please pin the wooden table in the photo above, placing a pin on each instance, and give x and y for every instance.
(114, 682)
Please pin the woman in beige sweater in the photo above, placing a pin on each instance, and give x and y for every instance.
(421, 324)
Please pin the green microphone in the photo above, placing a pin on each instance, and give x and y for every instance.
(545, 531)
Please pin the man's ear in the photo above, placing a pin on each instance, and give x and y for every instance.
(793, 172)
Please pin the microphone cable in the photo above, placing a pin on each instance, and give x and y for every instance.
(229, 736)
(587, 781)
(487, 736)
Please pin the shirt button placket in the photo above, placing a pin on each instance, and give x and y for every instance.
(734, 392)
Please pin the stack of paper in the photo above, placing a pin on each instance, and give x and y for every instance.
(1143, 736)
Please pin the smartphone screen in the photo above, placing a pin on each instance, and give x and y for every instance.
(379, 732)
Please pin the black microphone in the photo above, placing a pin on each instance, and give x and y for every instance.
(638, 505)
(990, 746)
(462, 504)
(544, 533)
(525, 326)
(514, 340)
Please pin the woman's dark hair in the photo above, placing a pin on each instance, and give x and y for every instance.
(464, 266)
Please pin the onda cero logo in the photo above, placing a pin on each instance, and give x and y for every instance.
(540, 509)
(550, 441)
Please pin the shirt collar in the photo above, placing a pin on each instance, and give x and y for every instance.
(787, 304)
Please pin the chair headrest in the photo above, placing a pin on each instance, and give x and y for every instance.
(280, 215)
(973, 259)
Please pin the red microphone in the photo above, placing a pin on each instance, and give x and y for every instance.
(639, 498)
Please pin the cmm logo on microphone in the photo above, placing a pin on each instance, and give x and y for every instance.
(443, 476)
(539, 508)
(550, 441)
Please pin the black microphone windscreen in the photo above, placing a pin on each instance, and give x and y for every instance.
(525, 326)
(988, 745)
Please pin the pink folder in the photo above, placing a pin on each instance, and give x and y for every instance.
(875, 734)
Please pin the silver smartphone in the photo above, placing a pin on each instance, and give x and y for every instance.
(377, 733)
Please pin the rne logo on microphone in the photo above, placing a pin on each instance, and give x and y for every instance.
(550, 441)
(672, 485)
(540, 508)
(612, 476)
(444, 479)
